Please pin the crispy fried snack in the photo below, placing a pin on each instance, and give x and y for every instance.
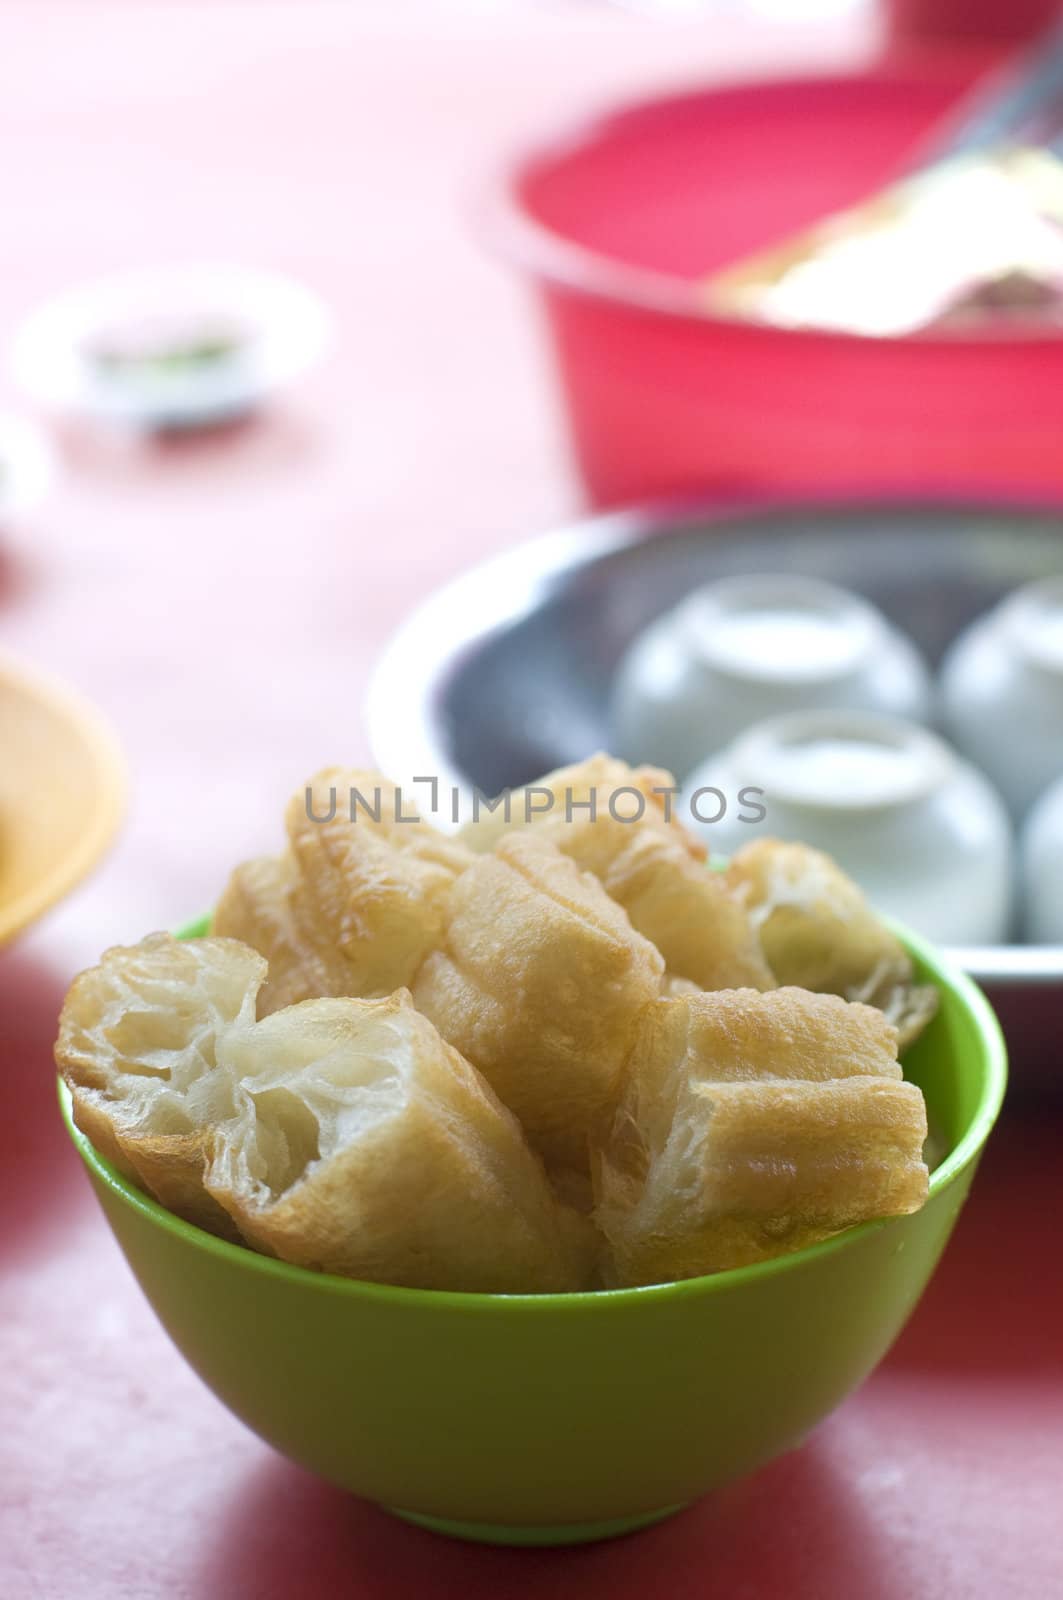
(564, 795)
(672, 986)
(539, 983)
(738, 1035)
(138, 1045)
(702, 930)
(818, 932)
(743, 1119)
(356, 902)
(651, 1104)
(649, 865)
(365, 1145)
(261, 906)
(374, 888)
(753, 1169)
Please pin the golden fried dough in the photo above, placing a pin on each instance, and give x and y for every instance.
(752, 1169)
(645, 861)
(737, 1035)
(672, 986)
(787, 1033)
(735, 1109)
(260, 906)
(365, 1145)
(597, 1076)
(701, 929)
(374, 888)
(908, 1007)
(817, 931)
(564, 796)
(138, 1042)
(539, 983)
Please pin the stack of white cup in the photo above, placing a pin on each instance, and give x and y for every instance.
(1002, 704)
(810, 703)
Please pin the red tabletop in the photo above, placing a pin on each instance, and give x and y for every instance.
(223, 599)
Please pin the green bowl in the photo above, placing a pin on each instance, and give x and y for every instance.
(552, 1419)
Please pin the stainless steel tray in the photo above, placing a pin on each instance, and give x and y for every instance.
(505, 672)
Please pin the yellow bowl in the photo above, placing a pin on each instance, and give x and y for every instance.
(62, 791)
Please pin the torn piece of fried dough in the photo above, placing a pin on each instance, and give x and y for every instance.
(565, 795)
(646, 861)
(701, 929)
(702, 1073)
(754, 1169)
(539, 982)
(365, 1145)
(138, 1042)
(737, 1035)
(373, 886)
(261, 907)
(672, 985)
(818, 932)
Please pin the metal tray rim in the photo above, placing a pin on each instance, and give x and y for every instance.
(403, 692)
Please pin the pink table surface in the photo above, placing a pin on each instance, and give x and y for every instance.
(223, 600)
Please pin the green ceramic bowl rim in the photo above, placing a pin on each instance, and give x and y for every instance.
(944, 974)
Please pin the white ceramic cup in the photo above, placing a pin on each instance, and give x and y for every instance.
(1042, 869)
(1002, 693)
(747, 648)
(922, 832)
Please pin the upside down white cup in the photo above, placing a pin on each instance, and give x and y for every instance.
(1042, 869)
(1002, 693)
(922, 832)
(742, 649)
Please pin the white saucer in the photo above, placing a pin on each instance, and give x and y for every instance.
(278, 330)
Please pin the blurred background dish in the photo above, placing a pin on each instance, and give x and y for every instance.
(1042, 869)
(742, 649)
(619, 223)
(949, 23)
(507, 672)
(62, 789)
(1002, 693)
(173, 347)
(27, 467)
(923, 833)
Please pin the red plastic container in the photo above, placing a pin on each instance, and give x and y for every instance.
(946, 21)
(617, 221)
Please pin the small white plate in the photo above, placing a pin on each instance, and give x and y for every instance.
(174, 347)
(27, 467)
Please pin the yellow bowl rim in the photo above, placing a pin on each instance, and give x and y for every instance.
(86, 725)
